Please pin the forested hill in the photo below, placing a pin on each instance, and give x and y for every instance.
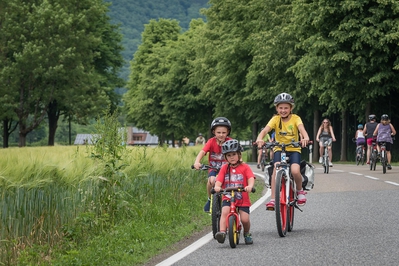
(132, 15)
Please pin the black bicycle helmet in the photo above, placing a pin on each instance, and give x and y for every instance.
(384, 117)
(284, 98)
(372, 117)
(221, 121)
(231, 146)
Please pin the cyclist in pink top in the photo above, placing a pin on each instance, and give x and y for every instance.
(220, 128)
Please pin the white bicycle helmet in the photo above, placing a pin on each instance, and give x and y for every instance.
(284, 98)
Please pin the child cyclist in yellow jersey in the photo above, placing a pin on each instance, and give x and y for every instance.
(220, 128)
(287, 126)
(235, 174)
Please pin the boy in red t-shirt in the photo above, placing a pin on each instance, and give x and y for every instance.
(235, 174)
(220, 128)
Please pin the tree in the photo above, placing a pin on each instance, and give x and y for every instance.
(57, 62)
(143, 100)
(350, 50)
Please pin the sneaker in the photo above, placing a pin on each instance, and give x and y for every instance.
(321, 160)
(248, 239)
(331, 165)
(221, 236)
(270, 205)
(301, 198)
(207, 206)
(389, 167)
(258, 166)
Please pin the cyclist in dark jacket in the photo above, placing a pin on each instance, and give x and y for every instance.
(368, 133)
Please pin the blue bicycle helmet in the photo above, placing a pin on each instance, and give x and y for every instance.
(360, 126)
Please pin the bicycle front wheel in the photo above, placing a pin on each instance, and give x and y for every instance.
(281, 203)
(216, 212)
(234, 234)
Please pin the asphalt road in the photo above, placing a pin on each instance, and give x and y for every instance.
(351, 218)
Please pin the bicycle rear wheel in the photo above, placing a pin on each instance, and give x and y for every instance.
(281, 204)
(291, 209)
(358, 158)
(384, 161)
(326, 164)
(216, 212)
(234, 234)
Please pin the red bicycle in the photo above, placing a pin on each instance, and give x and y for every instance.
(285, 189)
(233, 218)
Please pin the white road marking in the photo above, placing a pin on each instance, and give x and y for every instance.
(392, 183)
(353, 173)
(371, 177)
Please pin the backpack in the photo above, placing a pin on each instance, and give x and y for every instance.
(307, 172)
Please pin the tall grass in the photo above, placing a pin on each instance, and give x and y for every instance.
(52, 193)
(106, 204)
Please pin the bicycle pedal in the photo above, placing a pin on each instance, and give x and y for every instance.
(297, 207)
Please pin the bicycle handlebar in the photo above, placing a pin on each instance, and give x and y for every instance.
(229, 189)
(206, 167)
(295, 144)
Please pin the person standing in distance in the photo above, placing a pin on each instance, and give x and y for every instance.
(200, 140)
(220, 129)
(287, 126)
(368, 131)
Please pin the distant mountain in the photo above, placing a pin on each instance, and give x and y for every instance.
(132, 15)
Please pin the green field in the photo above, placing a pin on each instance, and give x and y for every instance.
(82, 205)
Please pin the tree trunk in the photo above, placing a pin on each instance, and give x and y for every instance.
(254, 136)
(343, 136)
(8, 128)
(53, 116)
(22, 135)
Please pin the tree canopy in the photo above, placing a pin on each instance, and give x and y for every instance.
(334, 57)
